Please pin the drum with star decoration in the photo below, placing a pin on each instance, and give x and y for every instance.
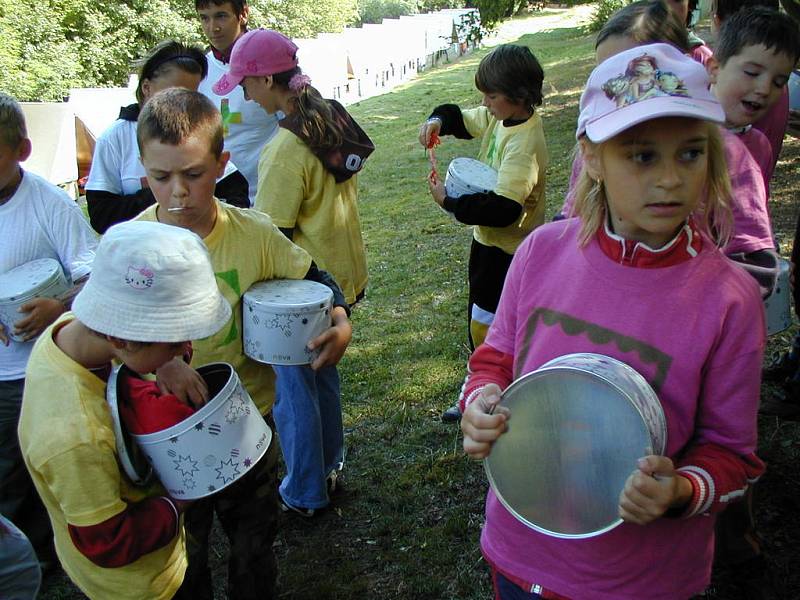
(281, 316)
(207, 451)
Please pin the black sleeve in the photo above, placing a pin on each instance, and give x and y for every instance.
(106, 209)
(234, 190)
(452, 121)
(488, 209)
(325, 278)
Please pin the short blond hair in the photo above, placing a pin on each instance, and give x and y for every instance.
(174, 115)
(12, 122)
(713, 214)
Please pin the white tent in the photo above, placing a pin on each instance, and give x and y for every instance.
(51, 128)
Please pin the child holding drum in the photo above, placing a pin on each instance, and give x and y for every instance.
(652, 206)
(113, 538)
(308, 184)
(37, 221)
(510, 79)
(180, 140)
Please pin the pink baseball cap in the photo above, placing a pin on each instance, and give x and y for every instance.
(644, 83)
(257, 52)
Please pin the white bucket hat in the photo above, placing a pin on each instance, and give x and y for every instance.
(152, 282)
(644, 83)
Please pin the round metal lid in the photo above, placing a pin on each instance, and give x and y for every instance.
(25, 280)
(292, 294)
(573, 439)
(473, 173)
(131, 458)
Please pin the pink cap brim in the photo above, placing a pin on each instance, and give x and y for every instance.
(607, 126)
(226, 84)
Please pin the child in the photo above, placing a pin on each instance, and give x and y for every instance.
(117, 187)
(308, 184)
(754, 57)
(652, 188)
(180, 141)
(510, 79)
(247, 127)
(37, 220)
(772, 123)
(115, 540)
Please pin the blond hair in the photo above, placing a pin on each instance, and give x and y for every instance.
(713, 214)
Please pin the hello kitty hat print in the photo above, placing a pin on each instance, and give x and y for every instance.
(644, 83)
(152, 282)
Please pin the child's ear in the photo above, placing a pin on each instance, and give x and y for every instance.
(712, 68)
(221, 162)
(24, 150)
(269, 80)
(591, 158)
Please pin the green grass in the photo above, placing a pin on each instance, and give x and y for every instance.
(408, 523)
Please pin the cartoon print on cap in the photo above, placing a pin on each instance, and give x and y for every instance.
(643, 79)
(139, 278)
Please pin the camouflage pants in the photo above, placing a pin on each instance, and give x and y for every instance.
(248, 512)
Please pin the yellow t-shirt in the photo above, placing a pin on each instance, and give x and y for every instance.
(296, 190)
(519, 155)
(67, 440)
(245, 247)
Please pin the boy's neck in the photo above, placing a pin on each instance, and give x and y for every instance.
(11, 187)
(84, 347)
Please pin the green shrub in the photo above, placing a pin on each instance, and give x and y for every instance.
(374, 11)
(604, 9)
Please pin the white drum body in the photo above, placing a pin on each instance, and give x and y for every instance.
(778, 305)
(794, 90)
(41, 278)
(208, 451)
(280, 317)
(469, 176)
(578, 425)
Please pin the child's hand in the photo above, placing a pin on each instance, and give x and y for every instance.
(4, 336)
(483, 422)
(333, 341)
(652, 489)
(436, 188)
(429, 131)
(181, 380)
(41, 313)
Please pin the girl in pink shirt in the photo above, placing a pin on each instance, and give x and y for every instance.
(649, 286)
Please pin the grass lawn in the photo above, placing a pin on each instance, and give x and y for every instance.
(408, 521)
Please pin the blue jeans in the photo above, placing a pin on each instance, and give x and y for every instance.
(308, 418)
(20, 574)
(508, 590)
(19, 501)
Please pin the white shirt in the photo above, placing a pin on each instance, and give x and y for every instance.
(41, 221)
(247, 126)
(116, 167)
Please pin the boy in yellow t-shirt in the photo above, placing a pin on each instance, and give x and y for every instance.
(512, 143)
(151, 291)
(180, 142)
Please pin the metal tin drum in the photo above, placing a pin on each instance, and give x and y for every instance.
(578, 425)
(778, 305)
(794, 90)
(207, 451)
(281, 316)
(469, 176)
(41, 278)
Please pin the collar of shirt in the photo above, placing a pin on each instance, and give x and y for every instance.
(684, 246)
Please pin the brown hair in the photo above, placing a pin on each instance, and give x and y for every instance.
(646, 22)
(512, 71)
(713, 214)
(319, 127)
(174, 115)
